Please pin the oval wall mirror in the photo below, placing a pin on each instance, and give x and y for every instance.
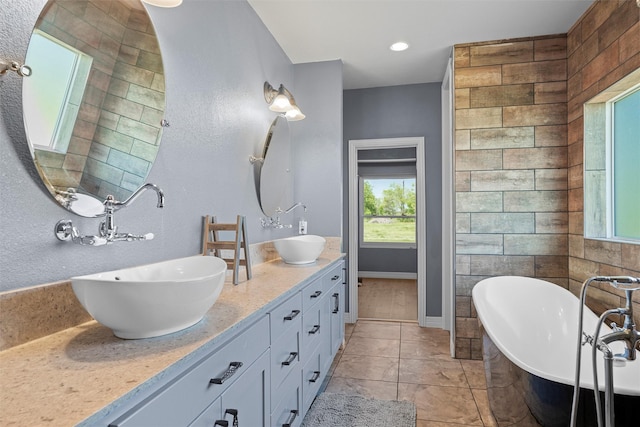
(94, 104)
(276, 183)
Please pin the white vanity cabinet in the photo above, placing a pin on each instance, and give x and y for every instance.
(265, 374)
(335, 280)
(183, 399)
(319, 338)
(323, 330)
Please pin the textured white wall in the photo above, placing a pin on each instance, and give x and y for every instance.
(217, 54)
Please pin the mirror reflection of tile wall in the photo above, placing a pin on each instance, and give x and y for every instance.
(115, 139)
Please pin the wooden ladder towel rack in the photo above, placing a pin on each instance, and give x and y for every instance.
(211, 243)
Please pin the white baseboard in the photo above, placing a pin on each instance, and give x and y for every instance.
(386, 275)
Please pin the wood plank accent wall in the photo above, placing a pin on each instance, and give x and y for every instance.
(511, 168)
(603, 47)
(519, 155)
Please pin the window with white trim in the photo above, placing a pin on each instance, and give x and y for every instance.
(612, 164)
(388, 211)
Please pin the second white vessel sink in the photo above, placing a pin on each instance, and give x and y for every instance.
(154, 299)
(303, 249)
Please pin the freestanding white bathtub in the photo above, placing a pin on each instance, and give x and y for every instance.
(529, 331)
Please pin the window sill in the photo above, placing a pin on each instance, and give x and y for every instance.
(614, 240)
(387, 245)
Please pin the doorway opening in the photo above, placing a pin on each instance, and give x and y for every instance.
(399, 226)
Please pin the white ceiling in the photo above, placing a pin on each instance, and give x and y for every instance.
(359, 32)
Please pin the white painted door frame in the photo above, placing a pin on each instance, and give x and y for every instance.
(369, 144)
(448, 209)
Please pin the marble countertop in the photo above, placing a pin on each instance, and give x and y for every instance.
(84, 373)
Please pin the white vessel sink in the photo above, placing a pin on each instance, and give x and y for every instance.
(300, 249)
(155, 299)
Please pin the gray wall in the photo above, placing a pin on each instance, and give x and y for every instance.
(317, 146)
(403, 111)
(216, 54)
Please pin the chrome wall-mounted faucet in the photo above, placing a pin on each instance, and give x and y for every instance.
(274, 222)
(292, 208)
(108, 231)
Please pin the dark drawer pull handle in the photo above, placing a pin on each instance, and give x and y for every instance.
(316, 294)
(314, 378)
(234, 414)
(292, 316)
(291, 358)
(233, 367)
(336, 277)
(336, 307)
(314, 330)
(291, 419)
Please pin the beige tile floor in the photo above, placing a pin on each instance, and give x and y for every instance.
(402, 361)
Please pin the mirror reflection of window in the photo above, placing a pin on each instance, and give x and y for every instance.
(54, 92)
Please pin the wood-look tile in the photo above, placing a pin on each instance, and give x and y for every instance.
(478, 76)
(382, 330)
(384, 390)
(443, 404)
(368, 346)
(501, 53)
(474, 371)
(447, 373)
(367, 368)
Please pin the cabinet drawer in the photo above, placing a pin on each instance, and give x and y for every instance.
(333, 277)
(285, 358)
(194, 390)
(285, 315)
(312, 293)
(312, 377)
(288, 412)
(312, 328)
(245, 401)
(213, 412)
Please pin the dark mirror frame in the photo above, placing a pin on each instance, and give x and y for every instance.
(276, 178)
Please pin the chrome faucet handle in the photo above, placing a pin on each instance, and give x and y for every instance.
(133, 237)
(625, 283)
(587, 339)
(65, 231)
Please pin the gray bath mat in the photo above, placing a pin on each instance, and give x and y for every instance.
(340, 410)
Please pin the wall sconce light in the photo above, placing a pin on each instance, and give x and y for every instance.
(282, 101)
(163, 3)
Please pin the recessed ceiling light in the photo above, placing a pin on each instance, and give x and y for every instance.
(399, 46)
